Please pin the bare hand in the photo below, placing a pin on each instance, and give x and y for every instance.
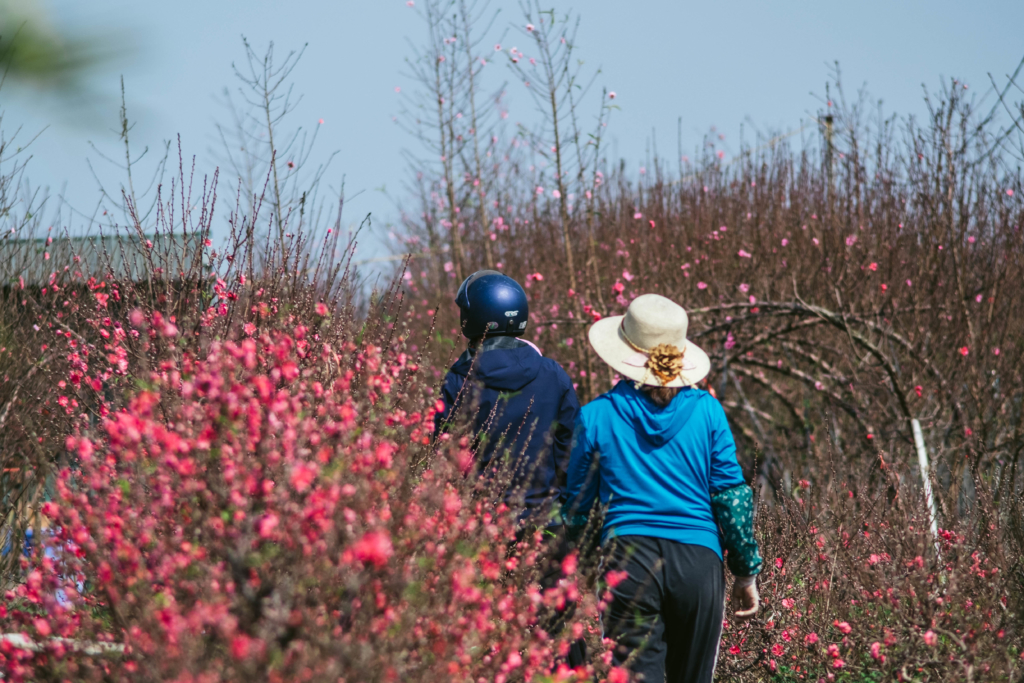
(745, 599)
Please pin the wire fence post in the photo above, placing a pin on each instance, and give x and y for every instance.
(922, 461)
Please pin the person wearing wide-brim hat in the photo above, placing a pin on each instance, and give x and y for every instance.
(658, 455)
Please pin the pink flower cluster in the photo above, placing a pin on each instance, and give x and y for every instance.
(275, 505)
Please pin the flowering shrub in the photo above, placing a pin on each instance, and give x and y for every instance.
(231, 469)
(859, 317)
(877, 599)
(274, 508)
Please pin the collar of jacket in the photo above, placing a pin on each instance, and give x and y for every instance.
(492, 343)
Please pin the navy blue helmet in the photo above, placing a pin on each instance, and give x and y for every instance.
(492, 303)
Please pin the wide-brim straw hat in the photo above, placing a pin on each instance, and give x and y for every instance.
(649, 345)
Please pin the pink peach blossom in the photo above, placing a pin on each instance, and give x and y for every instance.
(374, 548)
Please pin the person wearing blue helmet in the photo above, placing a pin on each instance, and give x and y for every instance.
(525, 410)
(525, 404)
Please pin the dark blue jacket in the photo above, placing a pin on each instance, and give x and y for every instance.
(526, 410)
(655, 468)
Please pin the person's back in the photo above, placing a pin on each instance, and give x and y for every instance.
(660, 456)
(525, 404)
(656, 474)
(525, 411)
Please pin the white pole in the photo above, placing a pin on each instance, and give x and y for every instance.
(23, 642)
(922, 460)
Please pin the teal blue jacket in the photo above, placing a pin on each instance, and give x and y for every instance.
(668, 472)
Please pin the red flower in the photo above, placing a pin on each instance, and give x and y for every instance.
(618, 675)
(302, 476)
(569, 564)
(42, 627)
(964, 351)
(374, 548)
(266, 525)
(614, 578)
(240, 647)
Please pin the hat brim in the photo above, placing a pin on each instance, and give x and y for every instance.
(608, 341)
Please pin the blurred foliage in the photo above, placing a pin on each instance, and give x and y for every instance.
(35, 51)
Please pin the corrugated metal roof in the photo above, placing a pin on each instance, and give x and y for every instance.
(126, 256)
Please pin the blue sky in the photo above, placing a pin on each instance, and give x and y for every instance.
(723, 64)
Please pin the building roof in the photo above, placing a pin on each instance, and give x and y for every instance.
(126, 257)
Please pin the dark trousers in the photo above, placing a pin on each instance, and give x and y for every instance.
(666, 617)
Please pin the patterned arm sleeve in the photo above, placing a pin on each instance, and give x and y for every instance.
(734, 512)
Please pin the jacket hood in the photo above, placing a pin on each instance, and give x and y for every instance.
(654, 425)
(508, 365)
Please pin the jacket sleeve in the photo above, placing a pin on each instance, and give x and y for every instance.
(725, 470)
(734, 512)
(584, 480)
(568, 415)
(449, 394)
(732, 501)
